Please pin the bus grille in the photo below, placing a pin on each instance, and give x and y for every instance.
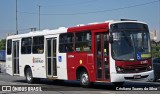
(135, 70)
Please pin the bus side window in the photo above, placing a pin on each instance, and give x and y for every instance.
(38, 45)
(83, 41)
(66, 42)
(9, 47)
(26, 45)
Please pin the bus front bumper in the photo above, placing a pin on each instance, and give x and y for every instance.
(143, 76)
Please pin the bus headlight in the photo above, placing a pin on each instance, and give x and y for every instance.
(119, 70)
(149, 68)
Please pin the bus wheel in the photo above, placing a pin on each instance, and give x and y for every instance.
(84, 79)
(29, 76)
(118, 83)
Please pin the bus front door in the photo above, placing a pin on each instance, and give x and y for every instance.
(102, 56)
(51, 65)
(15, 59)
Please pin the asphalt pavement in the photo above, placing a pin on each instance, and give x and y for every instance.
(45, 86)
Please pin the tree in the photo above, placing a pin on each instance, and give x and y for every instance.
(155, 49)
(2, 44)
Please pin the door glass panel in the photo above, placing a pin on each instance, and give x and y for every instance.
(54, 58)
(14, 66)
(98, 45)
(54, 48)
(54, 67)
(14, 49)
(49, 66)
(51, 57)
(106, 58)
(18, 66)
(105, 45)
(98, 52)
(15, 57)
(49, 47)
(102, 59)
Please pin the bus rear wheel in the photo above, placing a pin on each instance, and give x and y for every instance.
(84, 80)
(29, 77)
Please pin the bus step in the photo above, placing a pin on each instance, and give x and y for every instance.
(52, 78)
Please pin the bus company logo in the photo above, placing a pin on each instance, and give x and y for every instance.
(21, 88)
(6, 88)
(37, 60)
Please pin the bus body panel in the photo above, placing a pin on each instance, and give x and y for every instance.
(9, 59)
(36, 61)
(62, 66)
(76, 60)
(61, 63)
(85, 59)
(60, 58)
(145, 76)
(37, 64)
(9, 69)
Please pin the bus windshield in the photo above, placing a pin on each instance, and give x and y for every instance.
(131, 43)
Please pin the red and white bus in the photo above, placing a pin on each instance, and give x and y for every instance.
(111, 51)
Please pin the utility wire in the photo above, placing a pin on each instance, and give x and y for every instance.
(92, 12)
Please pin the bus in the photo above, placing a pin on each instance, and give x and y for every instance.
(110, 51)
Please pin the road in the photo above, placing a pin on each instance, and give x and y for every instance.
(73, 87)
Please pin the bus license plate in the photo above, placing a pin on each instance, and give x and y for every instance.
(137, 76)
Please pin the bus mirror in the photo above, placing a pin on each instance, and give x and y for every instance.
(111, 38)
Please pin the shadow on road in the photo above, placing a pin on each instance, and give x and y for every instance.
(61, 85)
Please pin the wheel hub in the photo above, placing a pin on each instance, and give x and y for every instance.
(29, 76)
(85, 79)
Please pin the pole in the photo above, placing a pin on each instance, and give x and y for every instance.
(159, 18)
(39, 16)
(16, 19)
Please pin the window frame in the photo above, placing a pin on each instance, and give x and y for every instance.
(68, 41)
(39, 44)
(9, 47)
(85, 41)
(30, 45)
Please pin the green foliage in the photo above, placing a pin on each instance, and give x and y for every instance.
(155, 50)
(2, 44)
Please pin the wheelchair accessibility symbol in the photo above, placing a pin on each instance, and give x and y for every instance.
(139, 56)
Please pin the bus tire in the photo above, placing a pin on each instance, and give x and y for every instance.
(84, 80)
(29, 76)
(118, 83)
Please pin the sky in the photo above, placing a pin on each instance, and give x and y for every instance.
(69, 13)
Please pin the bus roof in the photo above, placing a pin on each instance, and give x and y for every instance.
(90, 26)
(39, 33)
